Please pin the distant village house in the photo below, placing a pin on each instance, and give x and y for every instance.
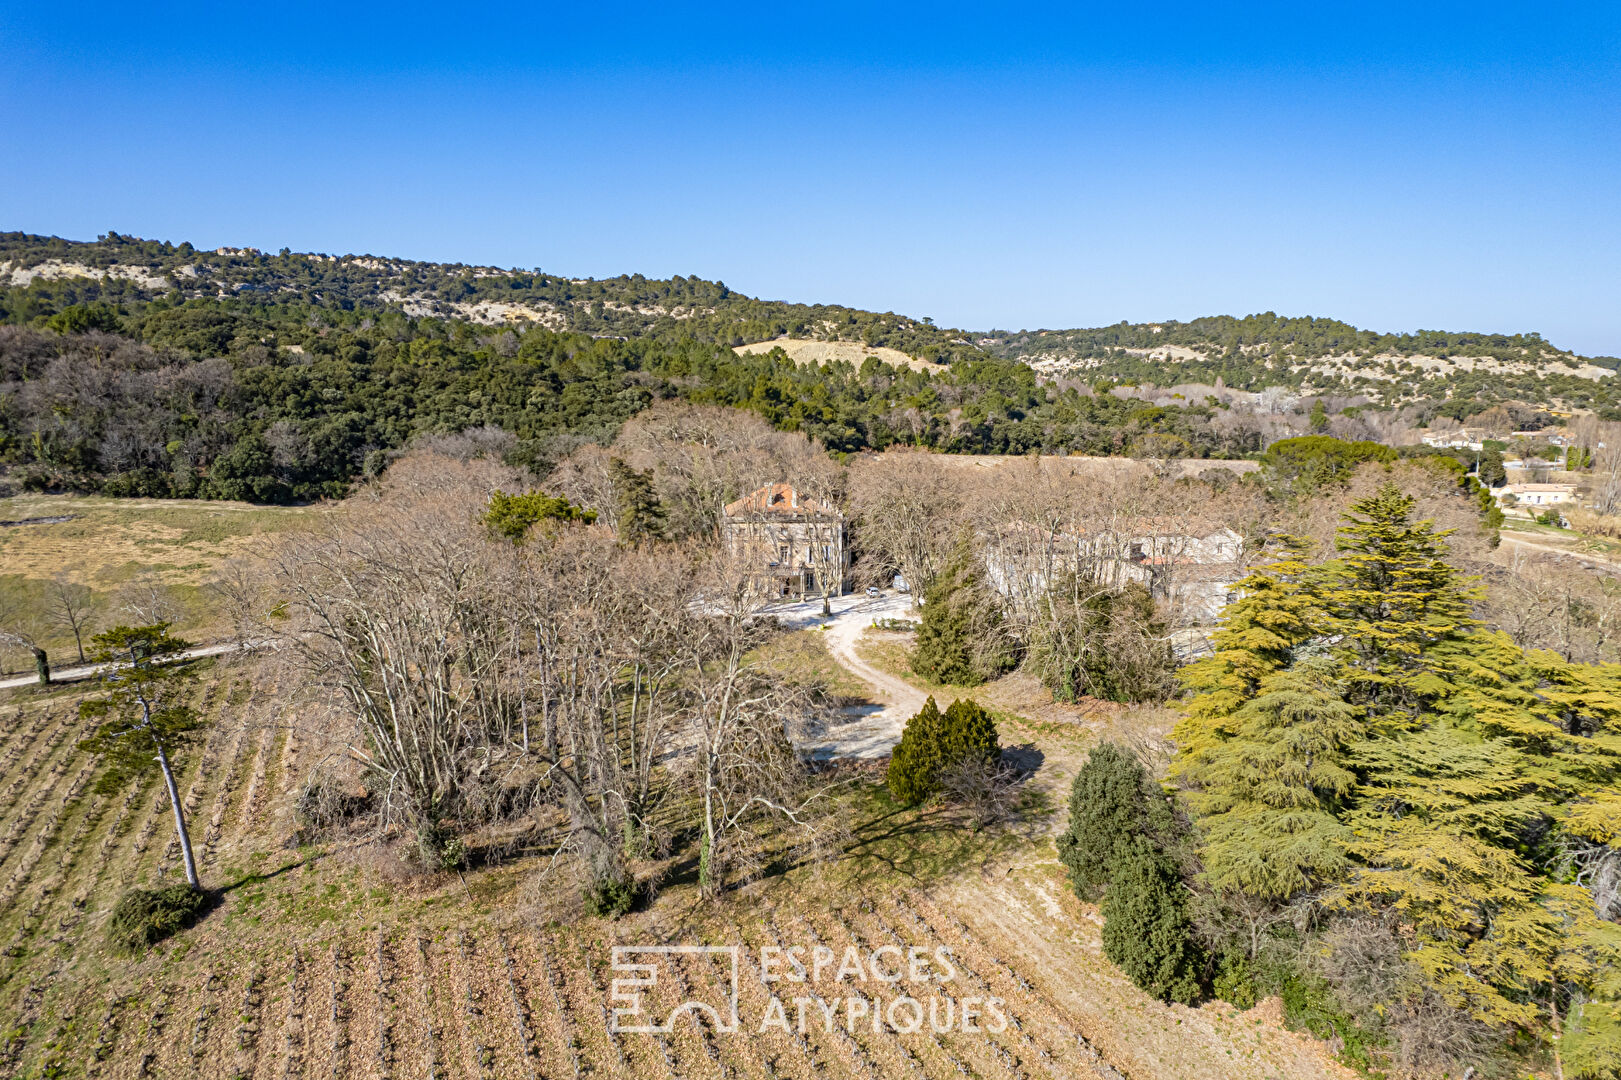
(799, 545)
(1537, 494)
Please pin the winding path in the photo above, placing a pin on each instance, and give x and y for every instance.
(869, 731)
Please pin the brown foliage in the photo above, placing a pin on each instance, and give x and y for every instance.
(701, 457)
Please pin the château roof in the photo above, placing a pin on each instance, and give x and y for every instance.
(781, 499)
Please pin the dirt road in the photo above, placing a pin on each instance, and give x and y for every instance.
(74, 674)
(866, 731)
(1520, 540)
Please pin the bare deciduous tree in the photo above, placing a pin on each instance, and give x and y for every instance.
(22, 627)
(1546, 601)
(741, 723)
(906, 506)
(588, 670)
(70, 609)
(1603, 439)
(147, 601)
(701, 458)
(237, 586)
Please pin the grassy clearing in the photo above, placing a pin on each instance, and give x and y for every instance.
(108, 545)
(802, 656)
(1536, 528)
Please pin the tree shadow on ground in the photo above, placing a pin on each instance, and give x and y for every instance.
(1024, 757)
(254, 879)
(919, 844)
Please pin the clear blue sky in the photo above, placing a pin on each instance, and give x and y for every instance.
(1408, 165)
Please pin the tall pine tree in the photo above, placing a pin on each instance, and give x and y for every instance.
(1273, 614)
(960, 640)
(1270, 796)
(1389, 598)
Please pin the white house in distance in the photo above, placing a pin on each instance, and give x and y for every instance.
(1537, 494)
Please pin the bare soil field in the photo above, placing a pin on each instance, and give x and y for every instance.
(804, 351)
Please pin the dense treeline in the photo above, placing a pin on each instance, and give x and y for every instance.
(1267, 350)
(244, 400)
(1269, 333)
(1250, 353)
(630, 305)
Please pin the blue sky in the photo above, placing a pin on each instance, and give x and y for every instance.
(1453, 166)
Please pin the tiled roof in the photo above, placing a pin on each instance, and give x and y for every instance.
(778, 498)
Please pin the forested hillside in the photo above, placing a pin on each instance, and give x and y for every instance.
(1315, 355)
(46, 274)
(135, 367)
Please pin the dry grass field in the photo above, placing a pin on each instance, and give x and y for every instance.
(805, 351)
(107, 545)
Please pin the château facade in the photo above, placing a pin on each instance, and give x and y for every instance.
(799, 545)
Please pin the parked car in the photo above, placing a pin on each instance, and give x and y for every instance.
(872, 590)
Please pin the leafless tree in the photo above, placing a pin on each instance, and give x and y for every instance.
(391, 612)
(1547, 601)
(596, 639)
(20, 628)
(741, 723)
(988, 790)
(1603, 439)
(907, 508)
(147, 601)
(70, 609)
(471, 444)
(238, 589)
(701, 458)
(569, 662)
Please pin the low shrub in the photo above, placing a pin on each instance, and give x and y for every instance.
(144, 917)
(326, 801)
(933, 742)
(609, 898)
(988, 790)
(440, 847)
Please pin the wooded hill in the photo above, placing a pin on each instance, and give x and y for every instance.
(46, 274)
(134, 367)
(42, 275)
(1315, 355)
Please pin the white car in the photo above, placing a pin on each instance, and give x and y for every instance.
(872, 590)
